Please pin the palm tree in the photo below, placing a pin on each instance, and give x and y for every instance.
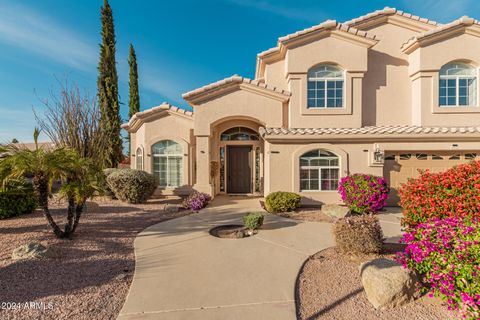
(78, 176)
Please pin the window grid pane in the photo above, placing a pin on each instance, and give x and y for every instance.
(319, 171)
(167, 163)
(325, 87)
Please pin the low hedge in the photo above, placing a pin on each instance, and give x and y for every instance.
(16, 198)
(130, 185)
(281, 201)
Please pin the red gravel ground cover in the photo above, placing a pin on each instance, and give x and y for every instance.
(85, 278)
(329, 287)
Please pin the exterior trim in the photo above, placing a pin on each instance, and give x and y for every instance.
(463, 25)
(323, 30)
(234, 83)
(139, 118)
(406, 20)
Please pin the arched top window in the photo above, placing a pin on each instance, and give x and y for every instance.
(319, 171)
(139, 158)
(168, 163)
(458, 85)
(166, 147)
(325, 87)
(239, 134)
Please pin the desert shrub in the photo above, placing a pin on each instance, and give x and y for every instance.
(253, 220)
(360, 234)
(108, 192)
(454, 192)
(196, 201)
(133, 186)
(363, 193)
(281, 201)
(446, 252)
(16, 197)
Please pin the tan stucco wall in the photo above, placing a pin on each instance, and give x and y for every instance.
(425, 63)
(168, 127)
(238, 104)
(282, 167)
(282, 162)
(386, 90)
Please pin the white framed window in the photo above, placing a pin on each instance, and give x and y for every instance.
(139, 158)
(325, 87)
(168, 163)
(319, 171)
(458, 85)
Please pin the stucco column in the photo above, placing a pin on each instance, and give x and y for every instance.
(203, 165)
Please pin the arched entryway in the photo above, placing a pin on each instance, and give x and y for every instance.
(238, 153)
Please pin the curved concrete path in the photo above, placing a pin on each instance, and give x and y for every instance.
(184, 273)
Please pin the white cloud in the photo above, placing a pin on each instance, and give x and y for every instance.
(291, 12)
(35, 32)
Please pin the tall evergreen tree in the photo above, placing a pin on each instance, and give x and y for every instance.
(134, 97)
(107, 85)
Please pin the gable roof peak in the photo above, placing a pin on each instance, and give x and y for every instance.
(385, 12)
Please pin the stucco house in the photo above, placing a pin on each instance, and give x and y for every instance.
(386, 93)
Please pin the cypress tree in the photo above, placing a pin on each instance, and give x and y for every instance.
(107, 86)
(134, 97)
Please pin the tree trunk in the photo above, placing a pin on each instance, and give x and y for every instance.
(70, 217)
(40, 186)
(78, 214)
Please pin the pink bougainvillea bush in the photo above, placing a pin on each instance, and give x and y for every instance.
(446, 253)
(455, 192)
(363, 193)
(196, 201)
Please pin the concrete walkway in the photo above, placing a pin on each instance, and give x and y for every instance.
(184, 273)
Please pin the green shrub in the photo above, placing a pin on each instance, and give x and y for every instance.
(253, 220)
(17, 197)
(358, 234)
(282, 201)
(104, 184)
(133, 186)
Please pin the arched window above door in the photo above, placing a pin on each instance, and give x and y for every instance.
(239, 134)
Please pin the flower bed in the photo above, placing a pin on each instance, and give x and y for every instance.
(447, 254)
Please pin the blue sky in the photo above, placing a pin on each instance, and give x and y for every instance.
(180, 44)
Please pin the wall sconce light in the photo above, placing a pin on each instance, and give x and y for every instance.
(378, 156)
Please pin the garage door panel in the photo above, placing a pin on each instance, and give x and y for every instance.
(400, 166)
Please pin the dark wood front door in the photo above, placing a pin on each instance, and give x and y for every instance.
(239, 169)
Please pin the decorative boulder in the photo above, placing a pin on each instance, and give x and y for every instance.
(387, 284)
(30, 250)
(172, 208)
(335, 210)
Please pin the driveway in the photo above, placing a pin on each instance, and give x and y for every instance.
(182, 272)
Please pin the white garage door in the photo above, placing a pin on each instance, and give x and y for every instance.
(400, 166)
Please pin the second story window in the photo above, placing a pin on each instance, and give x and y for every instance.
(325, 87)
(458, 85)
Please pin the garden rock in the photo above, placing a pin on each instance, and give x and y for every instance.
(172, 208)
(335, 210)
(30, 250)
(387, 284)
